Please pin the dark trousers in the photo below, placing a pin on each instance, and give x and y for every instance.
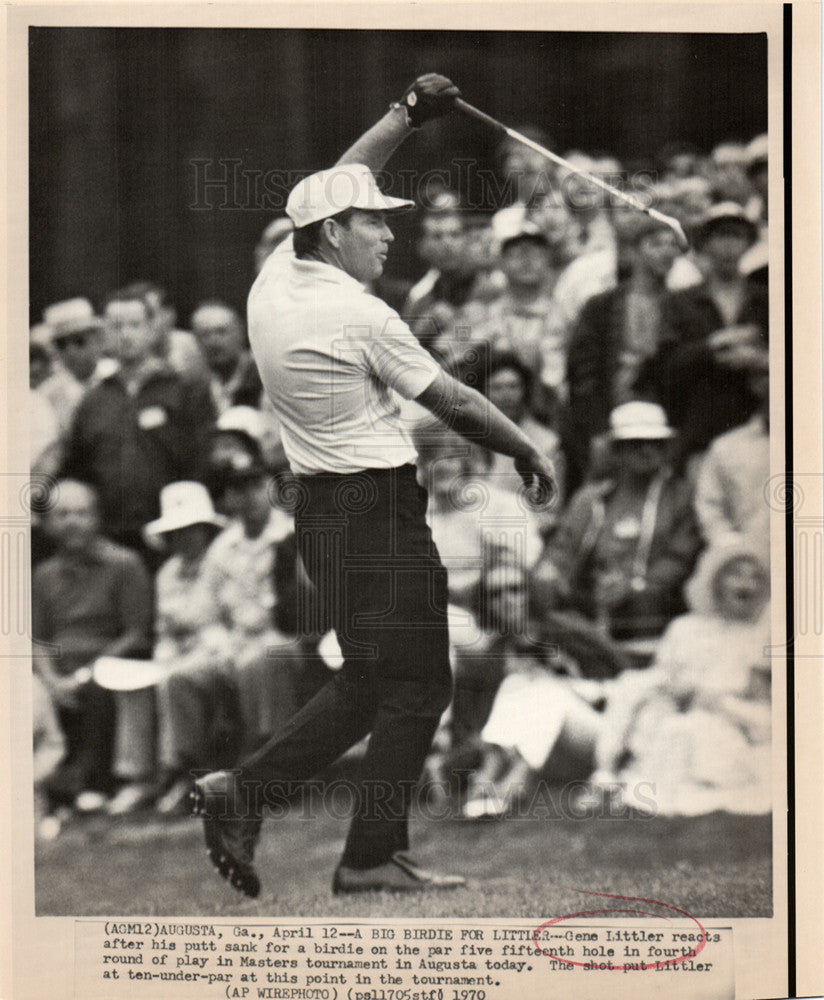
(89, 732)
(365, 544)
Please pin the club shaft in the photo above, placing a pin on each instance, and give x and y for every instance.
(518, 137)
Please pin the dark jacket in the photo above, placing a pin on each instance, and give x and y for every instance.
(675, 544)
(246, 387)
(592, 364)
(129, 448)
(702, 398)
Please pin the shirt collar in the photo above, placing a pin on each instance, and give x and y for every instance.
(321, 271)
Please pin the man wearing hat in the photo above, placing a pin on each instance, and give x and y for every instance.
(335, 362)
(521, 321)
(625, 545)
(713, 336)
(73, 336)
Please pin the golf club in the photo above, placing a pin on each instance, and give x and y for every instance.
(628, 199)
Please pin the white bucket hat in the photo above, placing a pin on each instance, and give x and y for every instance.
(182, 505)
(639, 421)
(331, 191)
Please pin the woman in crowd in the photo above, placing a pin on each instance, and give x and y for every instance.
(195, 699)
(541, 700)
(509, 385)
(688, 736)
(692, 734)
(475, 524)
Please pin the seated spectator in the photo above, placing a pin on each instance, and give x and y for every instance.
(238, 572)
(713, 335)
(482, 647)
(553, 216)
(236, 434)
(78, 337)
(232, 372)
(589, 203)
(197, 721)
(537, 712)
(91, 599)
(726, 171)
(593, 272)
(625, 545)
(178, 348)
(688, 201)
(528, 175)
(677, 161)
(692, 734)
(476, 527)
(509, 387)
(141, 427)
(520, 646)
(452, 279)
(732, 479)
(75, 338)
(618, 331)
(522, 321)
(475, 524)
(687, 736)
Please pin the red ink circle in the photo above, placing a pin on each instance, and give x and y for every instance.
(645, 913)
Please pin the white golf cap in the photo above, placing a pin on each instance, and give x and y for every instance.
(332, 191)
(639, 421)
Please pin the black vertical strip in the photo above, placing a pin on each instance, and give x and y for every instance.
(789, 525)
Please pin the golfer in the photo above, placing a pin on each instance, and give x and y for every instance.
(335, 362)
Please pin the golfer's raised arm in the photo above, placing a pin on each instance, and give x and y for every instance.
(430, 96)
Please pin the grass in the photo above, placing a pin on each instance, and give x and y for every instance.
(712, 866)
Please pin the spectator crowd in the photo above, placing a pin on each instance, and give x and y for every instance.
(618, 636)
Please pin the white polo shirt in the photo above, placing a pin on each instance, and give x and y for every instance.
(334, 361)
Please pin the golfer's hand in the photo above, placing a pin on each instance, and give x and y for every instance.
(538, 475)
(430, 96)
